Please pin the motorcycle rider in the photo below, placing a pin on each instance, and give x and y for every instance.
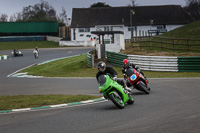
(14, 52)
(127, 65)
(36, 52)
(36, 48)
(103, 69)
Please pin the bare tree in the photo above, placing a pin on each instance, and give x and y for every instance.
(39, 12)
(133, 3)
(13, 18)
(27, 13)
(99, 4)
(193, 8)
(3, 17)
(62, 18)
(19, 17)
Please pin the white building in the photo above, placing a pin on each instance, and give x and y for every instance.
(143, 20)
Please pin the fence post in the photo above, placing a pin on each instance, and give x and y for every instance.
(161, 44)
(188, 45)
(143, 34)
(174, 45)
(150, 42)
(133, 39)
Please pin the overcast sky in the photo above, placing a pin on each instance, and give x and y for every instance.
(11, 7)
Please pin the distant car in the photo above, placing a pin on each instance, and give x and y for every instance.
(16, 52)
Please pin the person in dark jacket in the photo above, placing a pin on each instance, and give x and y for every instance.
(127, 65)
(103, 69)
(36, 48)
(15, 52)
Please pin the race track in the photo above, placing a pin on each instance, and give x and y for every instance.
(172, 106)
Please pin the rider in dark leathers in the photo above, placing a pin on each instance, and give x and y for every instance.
(127, 65)
(103, 69)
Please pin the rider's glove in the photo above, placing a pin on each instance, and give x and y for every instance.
(115, 78)
(136, 67)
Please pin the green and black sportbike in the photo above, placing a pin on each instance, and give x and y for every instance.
(114, 91)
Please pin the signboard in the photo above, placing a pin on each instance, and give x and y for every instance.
(157, 31)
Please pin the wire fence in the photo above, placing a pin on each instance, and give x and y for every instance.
(166, 44)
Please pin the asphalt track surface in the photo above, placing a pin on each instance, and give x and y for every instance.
(172, 107)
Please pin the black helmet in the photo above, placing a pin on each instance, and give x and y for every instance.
(101, 66)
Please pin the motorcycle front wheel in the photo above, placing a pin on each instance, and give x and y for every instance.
(142, 87)
(131, 100)
(117, 100)
(36, 56)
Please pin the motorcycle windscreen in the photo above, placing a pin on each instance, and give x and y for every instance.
(130, 72)
(102, 79)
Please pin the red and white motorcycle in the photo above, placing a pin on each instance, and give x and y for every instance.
(137, 80)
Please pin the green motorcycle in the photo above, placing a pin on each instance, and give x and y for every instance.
(113, 91)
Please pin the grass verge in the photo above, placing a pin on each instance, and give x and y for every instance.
(28, 101)
(69, 67)
(77, 67)
(189, 31)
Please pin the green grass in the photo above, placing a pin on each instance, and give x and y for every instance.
(28, 101)
(77, 67)
(189, 31)
(68, 67)
(179, 47)
(27, 45)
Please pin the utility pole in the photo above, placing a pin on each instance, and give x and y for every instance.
(131, 23)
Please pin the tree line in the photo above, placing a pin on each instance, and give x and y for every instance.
(193, 8)
(39, 12)
(44, 12)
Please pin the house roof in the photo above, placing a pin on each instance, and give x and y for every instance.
(166, 14)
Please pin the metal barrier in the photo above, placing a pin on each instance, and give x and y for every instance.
(189, 64)
(116, 58)
(90, 60)
(22, 38)
(157, 63)
(4, 57)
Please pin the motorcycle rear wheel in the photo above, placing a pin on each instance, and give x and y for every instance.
(117, 100)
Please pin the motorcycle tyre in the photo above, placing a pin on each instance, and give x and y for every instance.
(115, 101)
(131, 100)
(143, 88)
(36, 56)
